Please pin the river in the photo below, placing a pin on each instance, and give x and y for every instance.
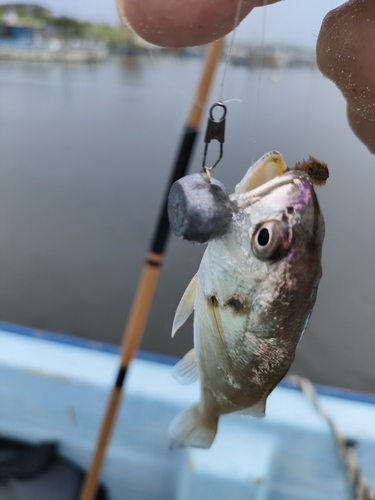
(85, 155)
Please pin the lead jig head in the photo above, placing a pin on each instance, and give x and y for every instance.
(199, 208)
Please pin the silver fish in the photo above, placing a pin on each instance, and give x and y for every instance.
(252, 298)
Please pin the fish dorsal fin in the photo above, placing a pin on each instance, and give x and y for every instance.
(266, 168)
(258, 410)
(186, 305)
(185, 371)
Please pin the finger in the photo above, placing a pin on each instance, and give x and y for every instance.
(364, 129)
(183, 23)
(345, 53)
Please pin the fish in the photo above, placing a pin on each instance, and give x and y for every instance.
(252, 298)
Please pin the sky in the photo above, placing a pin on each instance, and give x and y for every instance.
(294, 22)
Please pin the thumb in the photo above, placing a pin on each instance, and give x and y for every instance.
(183, 23)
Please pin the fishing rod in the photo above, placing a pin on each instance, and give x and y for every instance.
(142, 301)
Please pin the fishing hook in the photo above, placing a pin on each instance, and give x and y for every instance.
(215, 131)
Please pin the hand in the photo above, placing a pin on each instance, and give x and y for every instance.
(345, 47)
(183, 23)
(346, 55)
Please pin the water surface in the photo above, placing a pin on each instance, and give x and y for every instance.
(85, 156)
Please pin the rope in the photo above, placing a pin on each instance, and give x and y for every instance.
(345, 447)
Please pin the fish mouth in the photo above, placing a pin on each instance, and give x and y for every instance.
(268, 173)
(268, 167)
(289, 176)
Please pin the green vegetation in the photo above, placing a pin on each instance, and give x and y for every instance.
(68, 27)
(26, 10)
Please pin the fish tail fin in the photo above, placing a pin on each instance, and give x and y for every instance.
(188, 428)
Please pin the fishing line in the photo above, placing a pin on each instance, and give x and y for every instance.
(229, 53)
(155, 58)
(167, 81)
(234, 99)
(212, 125)
(215, 129)
(257, 103)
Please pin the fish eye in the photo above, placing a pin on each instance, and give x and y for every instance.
(263, 237)
(270, 240)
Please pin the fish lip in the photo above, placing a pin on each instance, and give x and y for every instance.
(255, 194)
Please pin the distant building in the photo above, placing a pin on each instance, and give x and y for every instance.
(12, 28)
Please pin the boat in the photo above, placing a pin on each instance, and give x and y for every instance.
(53, 50)
(55, 387)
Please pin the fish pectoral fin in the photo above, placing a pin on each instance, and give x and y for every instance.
(258, 410)
(186, 371)
(186, 305)
(212, 346)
